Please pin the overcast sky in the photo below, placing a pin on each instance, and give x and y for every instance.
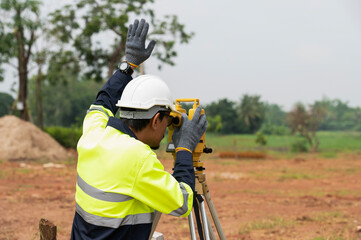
(285, 51)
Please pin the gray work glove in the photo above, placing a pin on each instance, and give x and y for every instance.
(188, 135)
(135, 51)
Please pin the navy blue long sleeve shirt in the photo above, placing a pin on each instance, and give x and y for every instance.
(107, 97)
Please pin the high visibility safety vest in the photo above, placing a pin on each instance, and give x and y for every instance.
(120, 181)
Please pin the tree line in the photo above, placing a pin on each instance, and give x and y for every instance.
(61, 60)
(82, 40)
(250, 115)
(66, 105)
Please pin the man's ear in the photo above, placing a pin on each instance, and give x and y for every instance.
(155, 121)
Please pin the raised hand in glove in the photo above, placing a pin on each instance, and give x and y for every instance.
(135, 51)
(188, 135)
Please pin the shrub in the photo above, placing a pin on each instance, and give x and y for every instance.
(68, 137)
(271, 129)
(299, 145)
(261, 139)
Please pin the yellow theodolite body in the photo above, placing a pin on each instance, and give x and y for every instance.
(177, 122)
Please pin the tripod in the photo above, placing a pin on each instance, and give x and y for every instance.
(201, 188)
(203, 222)
(204, 227)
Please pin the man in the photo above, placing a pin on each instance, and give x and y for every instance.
(120, 181)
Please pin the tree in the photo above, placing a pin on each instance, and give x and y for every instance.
(64, 104)
(252, 112)
(40, 59)
(6, 100)
(89, 25)
(273, 114)
(214, 124)
(306, 122)
(226, 111)
(18, 26)
(274, 120)
(57, 90)
(339, 116)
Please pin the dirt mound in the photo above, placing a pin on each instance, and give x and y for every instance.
(21, 140)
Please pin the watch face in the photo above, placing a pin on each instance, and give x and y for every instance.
(123, 66)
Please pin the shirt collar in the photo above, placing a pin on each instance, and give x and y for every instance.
(120, 125)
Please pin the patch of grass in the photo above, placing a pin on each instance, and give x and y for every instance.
(352, 170)
(328, 154)
(314, 193)
(339, 141)
(257, 192)
(342, 193)
(261, 175)
(324, 216)
(23, 170)
(4, 174)
(23, 187)
(347, 171)
(334, 236)
(267, 225)
(331, 143)
(295, 174)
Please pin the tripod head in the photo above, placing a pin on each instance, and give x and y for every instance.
(177, 122)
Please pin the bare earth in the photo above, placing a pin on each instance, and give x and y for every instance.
(299, 198)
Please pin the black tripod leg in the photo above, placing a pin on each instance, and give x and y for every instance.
(197, 200)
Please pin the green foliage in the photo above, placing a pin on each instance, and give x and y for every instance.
(337, 141)
(261, 139)
(19, 30)
(5, 103)
(248, 116)
(63, 67)
(18, 25)
(332, 143)
(252, 112)
(299, 145)
(274, 115)
(267, 224)
(82, 23)
(271, 129)
(67, 137)
(339, 116)
(214, 124)
(305, 121)
(65, 104)
(227, 111)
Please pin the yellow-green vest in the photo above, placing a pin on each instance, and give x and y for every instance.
(120, 181)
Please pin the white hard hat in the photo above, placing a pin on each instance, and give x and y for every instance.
(145, 96)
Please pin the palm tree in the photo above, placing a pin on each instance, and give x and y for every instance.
(252, 111)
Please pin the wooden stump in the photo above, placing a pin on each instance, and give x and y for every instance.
(47, 230)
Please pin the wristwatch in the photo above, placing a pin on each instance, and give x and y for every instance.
(125, 67)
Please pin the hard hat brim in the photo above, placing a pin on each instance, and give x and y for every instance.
(144, 113)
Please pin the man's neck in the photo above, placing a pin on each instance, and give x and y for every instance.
(142, 135)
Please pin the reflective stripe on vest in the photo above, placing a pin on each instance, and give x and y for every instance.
(109, 197)
(140, 218)
(95, 108)
(183, 209)
(99, 194)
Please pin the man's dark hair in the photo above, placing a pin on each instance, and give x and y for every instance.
(138, 124)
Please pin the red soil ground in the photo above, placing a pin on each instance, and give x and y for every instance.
(299, 198)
